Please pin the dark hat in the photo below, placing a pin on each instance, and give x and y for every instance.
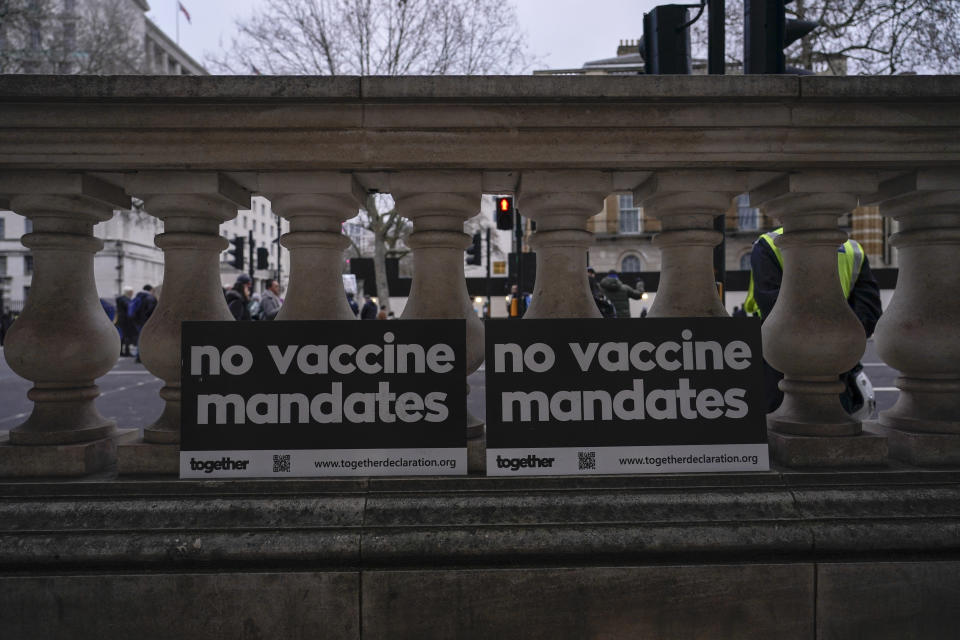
(243, 278)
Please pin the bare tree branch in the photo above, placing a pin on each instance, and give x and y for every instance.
(875, 36)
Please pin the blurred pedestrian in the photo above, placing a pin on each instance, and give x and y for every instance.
(369, 310)
(238, 297)
(353, 304)
(270, 301)
(619, 293)
(125, 323)
(139, 311)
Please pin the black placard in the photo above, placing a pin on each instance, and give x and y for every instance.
(390, 394)
(607, 395)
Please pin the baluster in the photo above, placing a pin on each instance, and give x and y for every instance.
(316, 204)
(62, 341)
(561, 202)
(439, 202)
(192, 207)
(919, 333)
(686, 202)
(812, 335)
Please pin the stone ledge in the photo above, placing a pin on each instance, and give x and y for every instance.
(866, 449)
(476, 522)
(136, 457)
(921, 449)
(71, 460)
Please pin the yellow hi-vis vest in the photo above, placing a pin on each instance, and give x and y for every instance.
(849, 262)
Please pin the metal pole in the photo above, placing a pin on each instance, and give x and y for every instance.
(253, 254)
(518, 232)
(716, 64)
(720, 257)
(487, 314)
(279, 252)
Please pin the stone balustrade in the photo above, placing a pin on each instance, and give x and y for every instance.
(195, 149)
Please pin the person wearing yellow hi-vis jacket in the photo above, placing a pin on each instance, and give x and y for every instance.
(859, 287)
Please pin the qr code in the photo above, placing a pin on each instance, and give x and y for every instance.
(281, 464)
(587, 460)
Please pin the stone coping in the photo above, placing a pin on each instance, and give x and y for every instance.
(102, 523)
(475, 88)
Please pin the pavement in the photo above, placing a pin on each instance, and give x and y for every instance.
(128, 393)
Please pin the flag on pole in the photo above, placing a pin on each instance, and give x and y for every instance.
(185, 12)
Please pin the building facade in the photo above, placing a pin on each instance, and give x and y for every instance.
(56, 41)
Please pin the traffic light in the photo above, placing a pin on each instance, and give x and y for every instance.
(666, 40)
(504, 213)
(473, 251)
(237, 252)
(263, 258)
(767, 32)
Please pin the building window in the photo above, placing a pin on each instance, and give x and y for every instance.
(748, 218)
(263, 227)
(745, 261)
(26, 292)
(27, 265)
(3, 265)
(631, 264)
(629, 214)
(3, 225)
(27, 226)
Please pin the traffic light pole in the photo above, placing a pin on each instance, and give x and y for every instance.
(716, 29)
(253, 256)
(518, 234)
(487, 314)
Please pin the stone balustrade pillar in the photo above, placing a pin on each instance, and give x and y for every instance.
(561, 202)
(316, 204)
(438, 203)
(812, 335)
(686, 203)
(192, 207)
(62, 341)
(919, 333)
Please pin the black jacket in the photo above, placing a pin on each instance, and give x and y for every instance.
(864, 297)
(238, 303)
(619, 294)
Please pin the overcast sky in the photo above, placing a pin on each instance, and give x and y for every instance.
(563, 33)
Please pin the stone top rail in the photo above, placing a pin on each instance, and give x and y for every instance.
(255, 123)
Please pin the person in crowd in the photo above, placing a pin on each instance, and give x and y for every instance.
(517, 302)
(109, 309)
(369, 310)
(606, 308)
(254, 306)
(125, 323)
(353, 304)
(738, 312)
(238, 298)
(382, 314)
(139, 311)
(270, 301)
(5, 321)
(619, 293)
(859, 287)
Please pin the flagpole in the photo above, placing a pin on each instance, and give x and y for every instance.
(176, 9)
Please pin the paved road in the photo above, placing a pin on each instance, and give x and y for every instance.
(129, 392)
